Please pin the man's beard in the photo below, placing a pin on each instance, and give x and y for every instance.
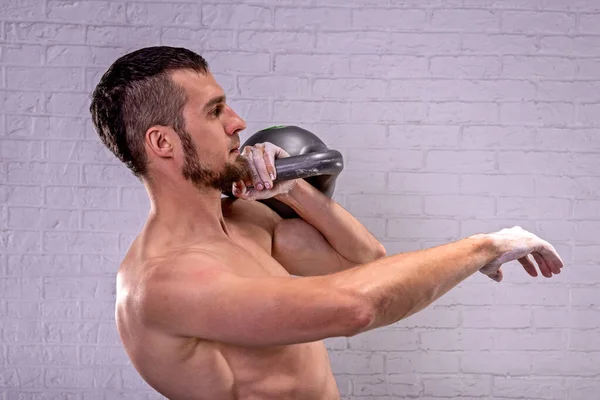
(203, 177)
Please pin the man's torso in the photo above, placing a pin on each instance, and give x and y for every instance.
(192, 368)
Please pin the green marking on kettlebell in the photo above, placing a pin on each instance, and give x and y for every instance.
(275, 127)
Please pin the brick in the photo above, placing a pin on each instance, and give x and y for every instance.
(453, 205)
(425, 89)
(68, 104)
(36, 265)
(134, 199)
(71, 332)
(588, 340)
(584, 297)
(385, 66)
(22, 331)
(495, 362)
(91, 11)
(127, 36)
(547, 339)
(107, 175)
(78, 288)
(411, 182)
(59, 55)
(569, 91)
(81, 378)
(499, 43)
(97, 310)
(369, 385)
(82, 197)
(57, 127)
(586, 254)
(387, 111)
(23, 150)
(529, 67)
(535, 162)
(353, 362)
(361, 181)
(384, 205)
(537, 22)
(498, 318)
(132, 380)
(11, 288)
(563, 364)
(384, 340)
(44, 78)
(432, 317)
(16, 241)
(198, 40)
(424, 43)
(570, 5)
(454, 386)
(310, 18)
(422, 228)
(275, 40)
(503, 90)
(104, 355)
(565, 45)
(500, 137)
(404, 385)
(22, 10)
(586, 209)
(22, 377)
(310, 111)
(528, 387)
(502, 4)
(459, 112)
(66, 150)
(233, 61)
(589, 23)
(163, 14)
(343, 136)
(588, 115)
(367, 42)
(422, 136)
(20, 102)
(406, 20)
(42, 355)
(19, 54)
(536, 114)
(311, 64)
(498, 185)
(465, 66)
(45, 32)
(18, 126)
(584, 140)
(242, 16)
(437, 362)
(454, 20)
(349, 88)
(520, 207)
(522, 295)
(62, 242)
(60, 310)
(38, 173)
(459, 161)
(588, 68)
(567, 186)
(19, 309)
(582, 388)
(384, 159)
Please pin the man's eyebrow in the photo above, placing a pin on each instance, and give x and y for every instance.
(213, 101)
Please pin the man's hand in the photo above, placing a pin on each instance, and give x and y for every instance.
(261, 161)
(516, 244)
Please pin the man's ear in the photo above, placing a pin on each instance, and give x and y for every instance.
(160, 141)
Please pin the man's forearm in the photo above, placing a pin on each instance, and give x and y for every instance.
(398, 286)
(344, 232)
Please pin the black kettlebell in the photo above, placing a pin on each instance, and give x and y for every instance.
(309, 159)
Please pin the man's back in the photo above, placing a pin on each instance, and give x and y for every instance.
(184, 367)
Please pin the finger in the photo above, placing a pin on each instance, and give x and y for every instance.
(258, 158)
(497, 276)
(269, 155)
(528, 266)
(551, 256)
(254, 177)
(242, 191)
(543, 266)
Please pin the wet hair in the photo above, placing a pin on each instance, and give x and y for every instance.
(137, 92)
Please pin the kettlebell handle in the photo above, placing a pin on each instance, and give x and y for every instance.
(307, 165)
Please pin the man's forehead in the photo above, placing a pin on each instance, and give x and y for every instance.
(198, 86)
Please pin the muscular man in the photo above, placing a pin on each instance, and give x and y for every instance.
(206, 304)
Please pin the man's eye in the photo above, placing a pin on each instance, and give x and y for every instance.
(216, 111)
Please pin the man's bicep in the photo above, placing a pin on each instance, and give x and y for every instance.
(221, 306)
(302, 250)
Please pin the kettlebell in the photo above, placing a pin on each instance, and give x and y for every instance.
(310, 159)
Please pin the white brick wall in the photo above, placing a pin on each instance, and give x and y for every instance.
(454, 117)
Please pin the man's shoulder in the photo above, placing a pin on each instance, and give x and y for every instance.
(252, 212)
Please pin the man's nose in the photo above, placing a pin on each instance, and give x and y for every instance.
(234, 123)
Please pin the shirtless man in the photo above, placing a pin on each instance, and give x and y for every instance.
(206, 307)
